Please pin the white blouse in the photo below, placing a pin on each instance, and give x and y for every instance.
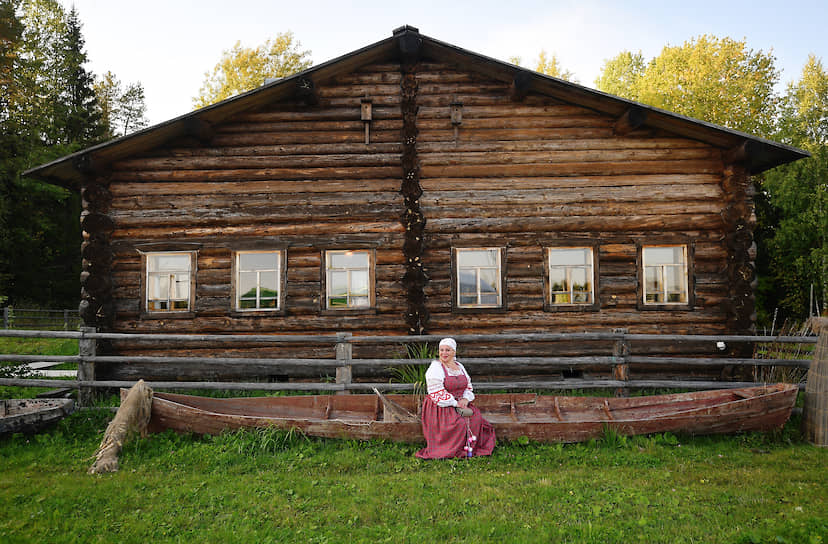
(435, 376)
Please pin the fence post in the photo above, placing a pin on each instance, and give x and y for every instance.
(66, 320)
(86, 369)
(344, 354)
(6, 317)
(620, 368)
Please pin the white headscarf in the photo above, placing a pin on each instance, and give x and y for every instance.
(448, 342)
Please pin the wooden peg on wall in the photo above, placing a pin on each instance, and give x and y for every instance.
(366, 114)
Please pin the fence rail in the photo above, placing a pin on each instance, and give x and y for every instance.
(25, 318)
(342, 361)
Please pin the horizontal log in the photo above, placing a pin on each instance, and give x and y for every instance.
(574, 168)
(252, 174)
(636, 223)
(459, 195)
(565, 156)
(377, 184)
(258, 161)
(331, 228)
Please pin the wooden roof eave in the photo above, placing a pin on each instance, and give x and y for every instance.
(763, 154)
(70, 171)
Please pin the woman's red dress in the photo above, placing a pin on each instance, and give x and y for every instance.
(447, 433)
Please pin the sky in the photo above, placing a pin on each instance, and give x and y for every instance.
(169, 45)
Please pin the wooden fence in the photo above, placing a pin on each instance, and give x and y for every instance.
(33, 319)
(342, 362)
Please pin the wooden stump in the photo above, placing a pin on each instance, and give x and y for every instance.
(815, 411)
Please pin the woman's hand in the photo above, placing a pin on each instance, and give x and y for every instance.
(463, 403)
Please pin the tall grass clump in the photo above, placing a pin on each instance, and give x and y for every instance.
(414, 373)
(780, 350)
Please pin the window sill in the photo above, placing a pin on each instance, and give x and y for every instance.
(257, 313)
(167, 315)
(571, 308)
(348, 311)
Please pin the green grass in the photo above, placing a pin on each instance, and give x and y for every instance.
(32, 346)
(271, 486)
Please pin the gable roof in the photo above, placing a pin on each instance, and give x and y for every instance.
(758, 154)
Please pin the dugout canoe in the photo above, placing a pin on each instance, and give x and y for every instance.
(538, 417)
(31, 415)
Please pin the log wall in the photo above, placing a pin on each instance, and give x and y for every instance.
(516, 173)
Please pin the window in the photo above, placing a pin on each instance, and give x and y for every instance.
(169, 281)
(478, 278)
(348, 279)
(571, 276)
(258, 280)
(665, 274)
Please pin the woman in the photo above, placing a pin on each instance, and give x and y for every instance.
(453, 427)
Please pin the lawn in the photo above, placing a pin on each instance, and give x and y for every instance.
(271, 486)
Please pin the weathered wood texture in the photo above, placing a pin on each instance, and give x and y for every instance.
(521, 174)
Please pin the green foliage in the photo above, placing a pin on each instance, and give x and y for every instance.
(792, 206)
(242, 69)
(714, 79)
(620, 75)
(122, 108)
(549, 65)
(414, 373)
(49, 110)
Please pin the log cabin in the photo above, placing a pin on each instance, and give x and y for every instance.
(415, 187)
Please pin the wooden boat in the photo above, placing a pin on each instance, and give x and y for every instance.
(537, 417)
(32, 415)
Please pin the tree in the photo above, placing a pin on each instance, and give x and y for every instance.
(548, 65)
(242, 69)
(123, 110)
(718, 80)
(48, 110)
(620, 75)
(792, 204)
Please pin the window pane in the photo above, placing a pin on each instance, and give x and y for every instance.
(663, 255)
(359, 302)
(338, 283)
(489, 280)
(580, 281)
(247, 285)
(359, 282)
(557, 279)
(561, 298)
(490, 300)
(652, 281)
(348, 259)
(468, 299)
(181, 287)
(468, 281)
(570, 256)
(159, 287)
(169, 263)
(258, 261)
(474, 258)
(268, 283)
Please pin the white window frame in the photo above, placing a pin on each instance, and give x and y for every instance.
(568, 270)
(349, 295)
(278, 270)
(172, 280)
(498, 268)
(662, 274)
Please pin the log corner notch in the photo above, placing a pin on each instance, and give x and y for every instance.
(306, 91)
(409, 43)
(630, 120)
(520, 86)
(739, 219)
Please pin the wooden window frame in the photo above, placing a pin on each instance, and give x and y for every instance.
(455, 283)
(372, 296)
(144, 286)
(689, 248)
(593, 306)
(281, 279)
